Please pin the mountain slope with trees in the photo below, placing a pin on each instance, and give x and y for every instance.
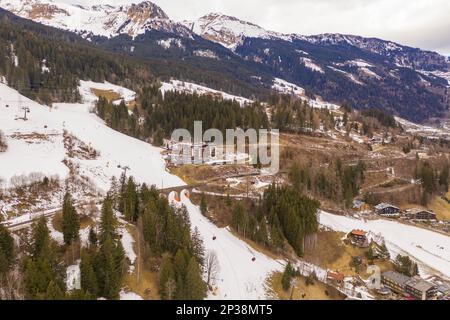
(365, 72)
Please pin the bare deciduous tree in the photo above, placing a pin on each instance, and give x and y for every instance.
(212, 267)
(170, 289)
(3, 143)
(11, 286)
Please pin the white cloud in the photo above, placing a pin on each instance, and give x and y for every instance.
(419, 23)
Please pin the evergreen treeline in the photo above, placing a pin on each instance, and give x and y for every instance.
(228, 73)
(45, 64)
(336, 182)
(294, 115)
(434, 178)
(43, 271)
(6, 251)
(103, 263)
(167, 234)
(294, 214)
(404, 95)
(179, 110)
(282, 214)
(70, 220)
(167, 238)
(118, 118)
(384, 118)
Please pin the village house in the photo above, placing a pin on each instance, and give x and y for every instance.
(421, 215)
(387, 210)
(335, 277)
(395, 281)
(421, 289)
(413, 287)
(359, 238)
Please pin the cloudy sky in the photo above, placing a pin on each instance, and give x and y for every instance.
(418, 23)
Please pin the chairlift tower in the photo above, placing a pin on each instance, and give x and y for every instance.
(25, 110)
(125, 169)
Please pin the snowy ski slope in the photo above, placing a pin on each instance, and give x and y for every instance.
(36, 145)
(239, 278)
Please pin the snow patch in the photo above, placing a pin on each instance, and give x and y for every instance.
(285, 87)
(167, 43)
(89, 97)
(206, 54)
(73, 277)
(311, 65)
(191, 88)
(124, 295)
(348, 74)
(366, 71)
(127, 243)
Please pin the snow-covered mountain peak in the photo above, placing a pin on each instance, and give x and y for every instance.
(100, 19)
(147, 10)
(228, 31)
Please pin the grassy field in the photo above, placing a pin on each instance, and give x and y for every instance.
(146, 286)
(110, 95)
(192, 174)
(85, 221)
(302, 291)
(333, 254)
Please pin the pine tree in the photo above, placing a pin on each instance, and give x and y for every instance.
(370, 254)
(130, 201)
(92, 237)
(70, 220)
(196, 287)
(42, 266)
(384, 251)
(167, 276)
(114, 191)
(54, 292)
(40, 238)
(180, 267)
(198, 249)
(6, 250)
(88, 277)
(287, 276)
(108, 224)
(203, 205)
(108, 275)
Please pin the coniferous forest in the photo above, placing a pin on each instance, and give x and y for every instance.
(157, 116)
(174, 247)
(283, 214)
(46, 64)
